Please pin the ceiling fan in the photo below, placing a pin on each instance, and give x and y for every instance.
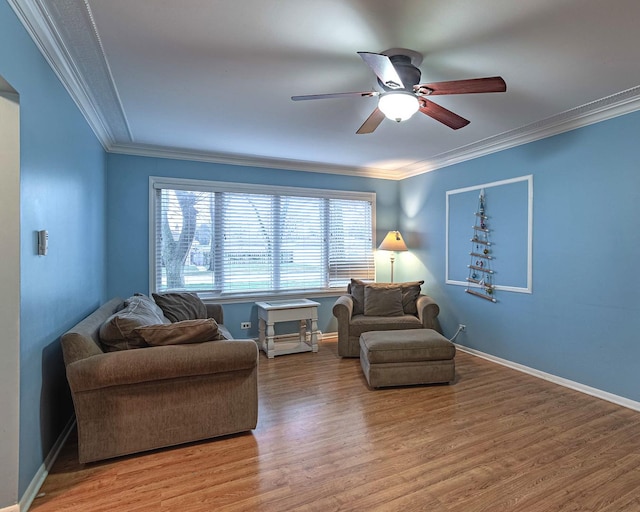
(402, 93)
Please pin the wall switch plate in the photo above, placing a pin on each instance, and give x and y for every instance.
(245, 325)
(43, 242)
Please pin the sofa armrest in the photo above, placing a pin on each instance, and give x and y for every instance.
(428, 312)
(157, 363)
(343, 310)
(215, 311)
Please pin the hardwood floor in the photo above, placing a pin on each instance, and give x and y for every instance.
(495, 440)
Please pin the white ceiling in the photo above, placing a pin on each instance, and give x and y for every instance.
(212, 80)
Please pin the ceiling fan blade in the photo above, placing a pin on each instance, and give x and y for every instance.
(470, 86)
(451, 119)
(367, 94)
(382, 66)
(372, 122)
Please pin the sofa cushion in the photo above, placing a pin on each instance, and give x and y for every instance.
(383, 301)
(115, 332)
(177, 333)
(406, 345)
(179, 306)
(362, 323)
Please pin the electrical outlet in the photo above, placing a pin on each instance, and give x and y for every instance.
(245, 325)
(462, 327)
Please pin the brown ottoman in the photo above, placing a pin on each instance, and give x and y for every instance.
(406, 357)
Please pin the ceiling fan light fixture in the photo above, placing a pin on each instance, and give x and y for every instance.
(398, 105)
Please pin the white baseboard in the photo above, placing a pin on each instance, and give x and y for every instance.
(11, 508)
(330, 336)
(43, 471)
(598, 393)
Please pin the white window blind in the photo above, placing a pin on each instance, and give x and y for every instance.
(350, 234)
(236, 239)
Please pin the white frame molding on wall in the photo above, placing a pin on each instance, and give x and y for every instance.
(517, 289)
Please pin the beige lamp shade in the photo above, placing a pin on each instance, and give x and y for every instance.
(393, 242)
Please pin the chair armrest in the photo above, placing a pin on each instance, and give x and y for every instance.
(428, 312)
(128, 367)
(343, 308)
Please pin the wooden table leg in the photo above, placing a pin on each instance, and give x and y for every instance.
(314, 335)
(261, 334)
(271, 348)
(303, 331)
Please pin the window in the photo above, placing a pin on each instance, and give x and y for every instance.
(230, 240)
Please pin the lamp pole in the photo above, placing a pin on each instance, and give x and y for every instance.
(393, 259)
(393, 242)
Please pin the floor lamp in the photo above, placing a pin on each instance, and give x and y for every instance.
(393, 242)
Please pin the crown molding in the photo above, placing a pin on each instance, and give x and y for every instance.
(250, 161)
(65, 34)
(77, 58)
(609, 107)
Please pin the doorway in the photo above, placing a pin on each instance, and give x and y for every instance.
(10, 297)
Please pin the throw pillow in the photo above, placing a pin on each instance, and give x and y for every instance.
(410, 294)
(356, 290)
(115, 332)
(186, 331)
(179, 306)
(383, 301)
(151, 304)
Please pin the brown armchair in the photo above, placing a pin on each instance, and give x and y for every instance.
(375, 307)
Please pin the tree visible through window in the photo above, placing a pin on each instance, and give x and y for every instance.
(227, 239)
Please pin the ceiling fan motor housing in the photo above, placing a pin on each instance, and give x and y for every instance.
(408, 73)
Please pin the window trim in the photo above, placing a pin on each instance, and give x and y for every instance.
(160, 182)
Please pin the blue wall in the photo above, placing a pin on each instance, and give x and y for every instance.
(582, 320)
(580, 323)
(63, 191)
(128, 219)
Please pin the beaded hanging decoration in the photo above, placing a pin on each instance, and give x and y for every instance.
(480, 273)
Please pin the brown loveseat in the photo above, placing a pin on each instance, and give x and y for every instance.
(381, 307)
(129, 401)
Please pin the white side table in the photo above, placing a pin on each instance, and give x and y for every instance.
(304, 310)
